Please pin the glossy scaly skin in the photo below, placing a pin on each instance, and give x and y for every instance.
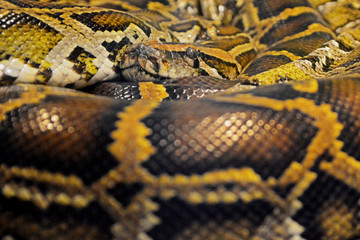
(276, 162)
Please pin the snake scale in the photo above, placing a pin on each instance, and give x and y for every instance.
(192, 138)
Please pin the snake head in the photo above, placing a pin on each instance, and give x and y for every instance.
(153, 61)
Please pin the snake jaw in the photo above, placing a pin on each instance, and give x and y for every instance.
(144, 62)
(136, 67)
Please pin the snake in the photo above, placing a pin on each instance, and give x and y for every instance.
(180, 119)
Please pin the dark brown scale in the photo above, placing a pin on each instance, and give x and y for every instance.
(271, 8)
(181, 132)
(226, 70)
(187, 152)
(289, 27)
(296, 47)
(75, 119)
(178, 88)
(116, 90)
(110, 20)
(245, 58)
(148, 192)
(324, 198)
(345, 101)
(195, 87)
(114, 48)
(274, 37)
(89, 223)
(247, 215)
(265, 63)
(78, 55)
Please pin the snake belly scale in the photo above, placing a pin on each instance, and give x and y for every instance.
(161, 156)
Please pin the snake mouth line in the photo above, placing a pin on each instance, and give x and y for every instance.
(142, 63)
(136, 73)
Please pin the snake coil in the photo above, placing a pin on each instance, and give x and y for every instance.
(159, 156)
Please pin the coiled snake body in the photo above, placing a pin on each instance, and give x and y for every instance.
(273, 162)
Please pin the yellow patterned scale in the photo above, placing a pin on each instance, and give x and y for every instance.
(250, 162)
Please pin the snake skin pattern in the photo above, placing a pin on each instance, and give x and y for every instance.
(159, 155)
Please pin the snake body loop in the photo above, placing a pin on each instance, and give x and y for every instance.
(170, 133)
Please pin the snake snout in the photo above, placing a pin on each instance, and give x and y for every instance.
(158, 60)
(145, 59)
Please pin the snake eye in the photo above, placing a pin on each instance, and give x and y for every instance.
(192, 53)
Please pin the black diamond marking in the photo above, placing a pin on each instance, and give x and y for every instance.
(125, 192)
(45, 74)
(114, 48)
(33, 64)
(77, 56)
(109, 46)
(75, 53)
(56, 16)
